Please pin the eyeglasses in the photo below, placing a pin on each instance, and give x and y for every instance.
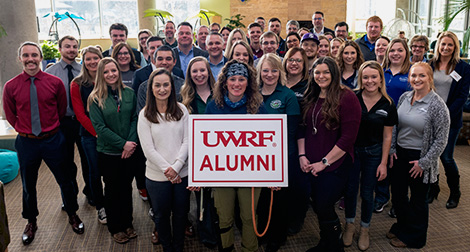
(123, 53)
(417, 46)
(292, 60)
(269, 43)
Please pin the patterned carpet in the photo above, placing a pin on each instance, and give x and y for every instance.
(448, 229)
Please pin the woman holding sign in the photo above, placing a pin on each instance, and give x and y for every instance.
(331, 118)
(163, 134)
(452, 80)
(236, 92)
(278, 99)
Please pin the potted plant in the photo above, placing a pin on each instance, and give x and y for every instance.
(235, 22)
(454, 8)
(50, 52)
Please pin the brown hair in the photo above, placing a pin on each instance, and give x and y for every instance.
(173, 111)
(254, 97)
(247, 47)
(330, 106)
(405, 67)
(84, 78)
(289, 54)
(376, 66)
(188, 91)
(420, 38)
(359, 59)
(133, 65)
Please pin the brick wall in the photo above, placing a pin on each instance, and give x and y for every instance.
(334, 10)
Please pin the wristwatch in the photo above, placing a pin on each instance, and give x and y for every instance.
(325, 161)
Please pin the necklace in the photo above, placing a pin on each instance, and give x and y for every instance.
(315, 118)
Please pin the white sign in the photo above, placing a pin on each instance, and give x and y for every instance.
(237, 150)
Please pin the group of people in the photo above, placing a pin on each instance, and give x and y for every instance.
(361, 114)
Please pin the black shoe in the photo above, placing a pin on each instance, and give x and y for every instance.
(453, 201)
(392, 213)
(90, 201)
(77, 224)
(433, 192)
(29, 232)
(379, 207)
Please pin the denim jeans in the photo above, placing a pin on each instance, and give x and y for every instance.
(447, 157)
(367, 159)
(169, 202)
(94, 178)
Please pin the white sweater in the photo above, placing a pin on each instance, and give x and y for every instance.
(165, 144)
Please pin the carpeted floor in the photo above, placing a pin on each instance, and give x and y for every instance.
(449, 230)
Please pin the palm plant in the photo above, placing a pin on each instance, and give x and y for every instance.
(454, 8)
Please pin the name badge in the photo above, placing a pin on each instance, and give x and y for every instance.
(455, 76)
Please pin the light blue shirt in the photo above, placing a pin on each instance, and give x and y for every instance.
(216, 68)
(184, 59)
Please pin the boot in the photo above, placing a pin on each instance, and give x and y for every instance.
(321, 246)
(348, 234)
(434, 190)
(334, 241)
(363, 242)
(454, 186)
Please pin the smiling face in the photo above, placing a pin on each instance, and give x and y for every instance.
(143, 39)
(111, 74)
(381, 47)
(91, 61)
(310, 47)
(199, 73)
(420, 79)
(225, 33)
(418, 49)
(118, 36)
(295, 64)
(291, 28)
(185, 36)
(69, 49)
(255, 33)
(269, 45)
(349, 55)
(317, 21)
(341, 32)
(236, 87)
(123, 57)
(446, 47)
(322, 76)
(240, 53)
(161, 87)
(335, 44)
(292, 41)
(215, 46)
(153, 46)
(169, 30)
(373, 30)
(324, 48)
(397, 54)
(371, 80)
(165, 59)
(236, 36)
(202, 35)
(30, 57)
(269, 75)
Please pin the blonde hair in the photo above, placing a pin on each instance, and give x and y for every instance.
(436, 61)
(428, 70)
(372, 64)
(228, 47)
(275, 63)
(84, 78)
(100, 91)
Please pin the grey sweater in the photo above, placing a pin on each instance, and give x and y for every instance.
(435, 135)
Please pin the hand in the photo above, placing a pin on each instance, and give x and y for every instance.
(176, 180)
(128, 149)
(274, 188)
(317, 167)
(194, 188)
(416, 171)
(304, 163)
(170, 173)
(381, 172)
(392, 157)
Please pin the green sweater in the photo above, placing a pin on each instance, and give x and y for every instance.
(114, 128)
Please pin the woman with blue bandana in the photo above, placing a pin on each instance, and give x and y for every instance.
(236, 92)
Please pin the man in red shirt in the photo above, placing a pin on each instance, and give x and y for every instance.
(34, 102)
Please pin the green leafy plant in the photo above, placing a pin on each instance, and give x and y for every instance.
(235, 21)
(50, 50)
(455, 7)
(2, 31)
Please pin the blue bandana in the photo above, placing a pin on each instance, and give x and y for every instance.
(237, 104)
(237, 69)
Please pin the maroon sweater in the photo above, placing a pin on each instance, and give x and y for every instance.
(319, 145)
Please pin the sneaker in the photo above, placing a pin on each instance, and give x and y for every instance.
(392, 213)
(143, 194)
(379, 207)
(102, 216)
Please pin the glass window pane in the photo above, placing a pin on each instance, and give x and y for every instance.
(42, 8)
(87, 9)
(180, 9)
(120, 11)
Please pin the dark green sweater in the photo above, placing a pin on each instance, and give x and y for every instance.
(114, 128)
